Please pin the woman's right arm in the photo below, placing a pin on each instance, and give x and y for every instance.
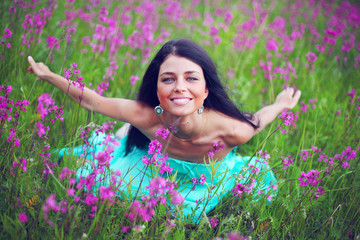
(122, 109)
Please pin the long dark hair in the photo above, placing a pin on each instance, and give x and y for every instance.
(217, 99)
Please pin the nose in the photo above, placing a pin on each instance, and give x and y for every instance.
(180, 85)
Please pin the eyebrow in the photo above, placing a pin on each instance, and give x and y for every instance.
(171, 73)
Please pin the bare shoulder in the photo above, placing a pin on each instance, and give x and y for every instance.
(234, 132)
(134, 112)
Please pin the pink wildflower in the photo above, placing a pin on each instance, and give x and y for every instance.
(304, 107)
(264, 155)
(214, 221)
(70, 192)
(202, 179)
(228, 17)
(287, 117)
(214, 31)
(106, 193)
(304, 154)
(66, 173)
(286, 161)
(52, 42)
(22, 217)
(194, 181)
(272, 45)
(311, 57)
(134, 79)
(311, 178)
(163, 132)
(7, 34)
(154, 147)
(211, 154)
(315, 149)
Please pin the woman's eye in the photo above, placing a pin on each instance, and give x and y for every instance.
(167, 80)
(192, 79)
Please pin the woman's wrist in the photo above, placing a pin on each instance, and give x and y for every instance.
(49, 77)
(279, 107)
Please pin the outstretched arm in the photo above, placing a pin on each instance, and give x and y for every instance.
(121, 109)
(287, 99)
(88, 98)
(242, 132)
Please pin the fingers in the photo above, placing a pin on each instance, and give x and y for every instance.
(291, 92)
(32, 64)
(297, 95)
(31, 60)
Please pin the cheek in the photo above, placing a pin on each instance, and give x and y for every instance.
(161, 94)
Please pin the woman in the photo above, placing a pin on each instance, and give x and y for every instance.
(181, 91)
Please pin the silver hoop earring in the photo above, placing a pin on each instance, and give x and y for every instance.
(158, 110)
(200, 110)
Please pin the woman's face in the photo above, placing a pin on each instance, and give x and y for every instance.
(181, 86)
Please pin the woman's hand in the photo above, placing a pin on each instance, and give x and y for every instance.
(287, 99)
(39, 69)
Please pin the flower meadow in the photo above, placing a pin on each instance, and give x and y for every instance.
(259, 47)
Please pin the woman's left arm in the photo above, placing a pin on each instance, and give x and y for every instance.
(241, 132)
(287, 99)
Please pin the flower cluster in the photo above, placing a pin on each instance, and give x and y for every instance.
(154, 147)
(312, 179)
(286, 161)
(23, 217)
(45, 107)
(6, 107)
(264, 156)
(304, 106)
(50, 204)
(288, 119)
(52, 43)
(347, 155)
(79, 83)
(201, 180)
(34, 25)
(48, 165)
(159, 188)
(214, 221)
(351, 94)
(163, 133)
(157, 158)
(344, 158)
(134, 79)
(304, 154)
(110, 73)
(240, 189)
(217, 146)
(311, 57)
(7, 35)
(22, 164)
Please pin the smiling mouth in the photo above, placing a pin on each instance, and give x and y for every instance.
(181, 101)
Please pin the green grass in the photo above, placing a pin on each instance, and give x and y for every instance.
(293, 212)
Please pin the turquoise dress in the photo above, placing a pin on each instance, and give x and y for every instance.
(198, 198)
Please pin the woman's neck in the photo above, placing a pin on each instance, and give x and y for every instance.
(186, 127)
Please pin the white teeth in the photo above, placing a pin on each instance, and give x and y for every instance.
(181, 100)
